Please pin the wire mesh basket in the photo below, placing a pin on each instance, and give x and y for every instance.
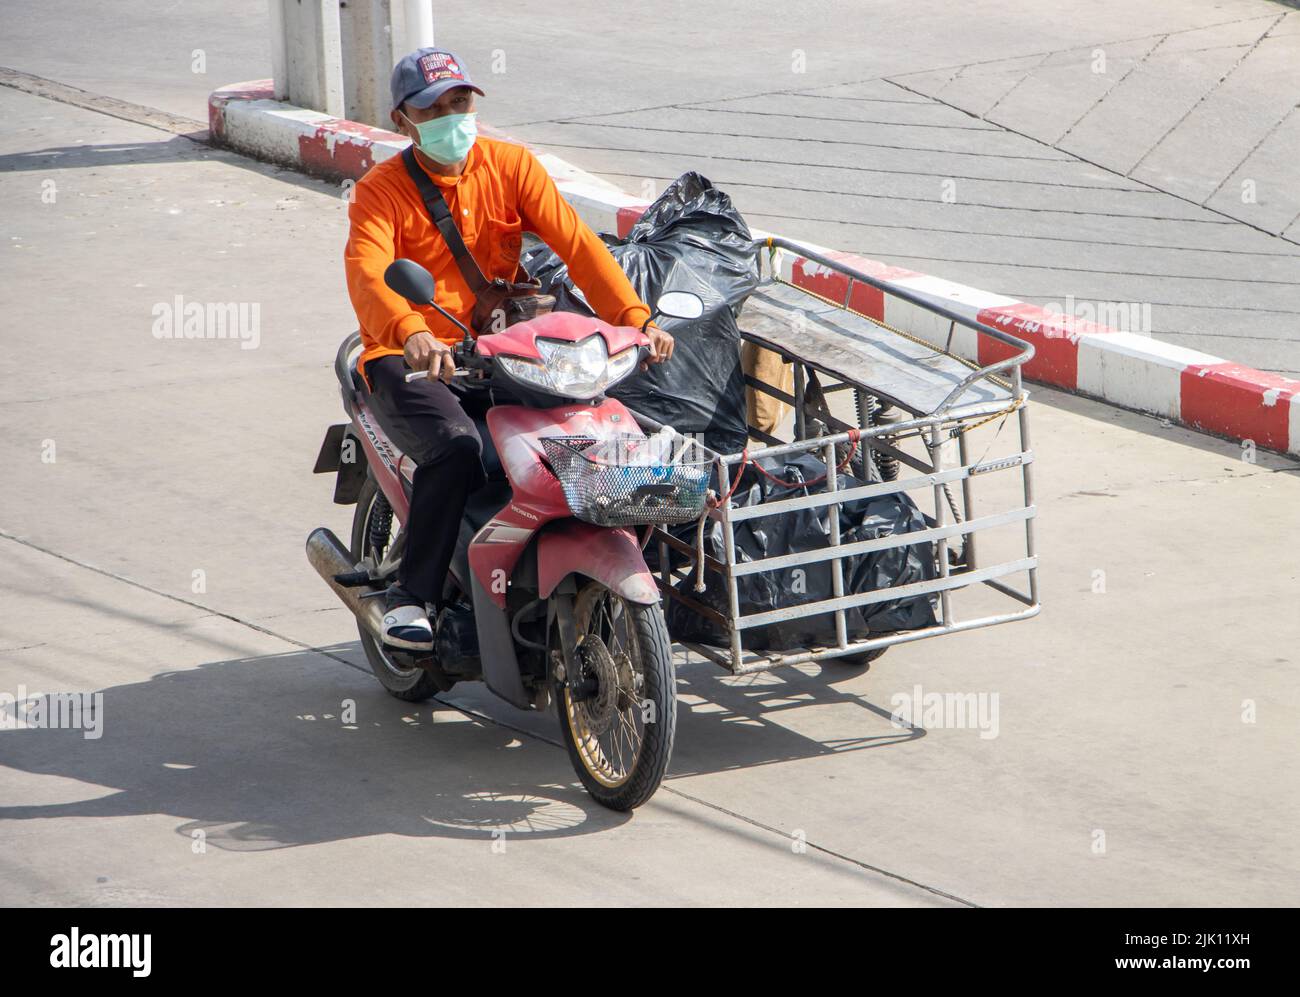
(631, 480)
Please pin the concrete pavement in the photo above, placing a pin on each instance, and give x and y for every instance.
(157, 558)
(1082, 155)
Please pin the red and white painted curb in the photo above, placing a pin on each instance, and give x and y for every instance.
(1186, 387)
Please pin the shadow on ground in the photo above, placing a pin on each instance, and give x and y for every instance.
(172, 149)
(741, 722)
(254, 752)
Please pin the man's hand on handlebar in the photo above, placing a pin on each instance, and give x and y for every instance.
(424, 352)
(661, 344)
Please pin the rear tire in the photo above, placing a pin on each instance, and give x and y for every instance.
(644, 714)
(414, 685)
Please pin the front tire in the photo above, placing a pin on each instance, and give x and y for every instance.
(370, 535)
(619, 724)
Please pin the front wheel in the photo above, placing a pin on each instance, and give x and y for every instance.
(618, 715)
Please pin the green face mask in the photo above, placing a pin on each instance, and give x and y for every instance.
(447, 139)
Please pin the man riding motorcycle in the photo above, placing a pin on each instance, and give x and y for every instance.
(493, 191)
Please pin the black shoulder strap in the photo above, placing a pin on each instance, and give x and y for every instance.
(441, 217)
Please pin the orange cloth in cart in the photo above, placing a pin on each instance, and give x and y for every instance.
(503, 192)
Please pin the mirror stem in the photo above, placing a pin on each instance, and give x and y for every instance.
(469, 337)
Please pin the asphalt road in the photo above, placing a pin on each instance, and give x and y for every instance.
(156, 495)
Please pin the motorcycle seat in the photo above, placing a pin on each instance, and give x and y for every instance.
(358, 381)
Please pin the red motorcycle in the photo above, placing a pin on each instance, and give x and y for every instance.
(548, 592)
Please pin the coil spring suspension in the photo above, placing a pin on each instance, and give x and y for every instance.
(381, 523)
(884, 415)
(873, 412)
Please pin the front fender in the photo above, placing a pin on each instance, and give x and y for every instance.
(610, 556)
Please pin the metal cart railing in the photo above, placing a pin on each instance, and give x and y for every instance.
(905, 392)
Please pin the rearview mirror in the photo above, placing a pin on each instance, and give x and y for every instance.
(411, 281)
(680, 304)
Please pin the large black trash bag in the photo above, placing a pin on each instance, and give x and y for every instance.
(690, 239)
(807, 530)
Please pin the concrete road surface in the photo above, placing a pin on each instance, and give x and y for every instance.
(1129, 161)
(156, 494)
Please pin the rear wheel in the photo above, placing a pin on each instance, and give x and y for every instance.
(373, 530)
(618, 716)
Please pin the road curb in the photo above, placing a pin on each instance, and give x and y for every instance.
(1184, 386)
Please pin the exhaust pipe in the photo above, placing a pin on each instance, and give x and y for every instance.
(329, 557)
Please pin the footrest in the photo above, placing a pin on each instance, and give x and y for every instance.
(354, 579)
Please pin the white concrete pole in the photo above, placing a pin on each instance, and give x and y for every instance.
(375, 34)
(368, 60)
(338, 57)
(279, 53)
(416, 27)
(313, 54)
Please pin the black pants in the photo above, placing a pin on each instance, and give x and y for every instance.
(434, 425)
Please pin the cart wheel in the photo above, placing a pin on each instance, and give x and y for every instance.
(860, 660)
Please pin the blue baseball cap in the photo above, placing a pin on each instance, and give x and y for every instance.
(425, 75)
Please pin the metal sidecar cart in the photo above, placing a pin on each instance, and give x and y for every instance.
(885, 414)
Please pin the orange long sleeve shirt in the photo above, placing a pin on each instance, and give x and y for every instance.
(502, 192)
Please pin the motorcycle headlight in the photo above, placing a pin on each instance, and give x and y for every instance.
(576, 370)
(528, 371)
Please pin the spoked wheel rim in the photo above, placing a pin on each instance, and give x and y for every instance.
(606, 723)
(379, 506)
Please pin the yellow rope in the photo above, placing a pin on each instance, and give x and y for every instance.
(1015, 404)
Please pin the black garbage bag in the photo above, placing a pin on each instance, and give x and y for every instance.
(808, 530)
(690, 239)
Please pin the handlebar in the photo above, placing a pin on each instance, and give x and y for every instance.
(467, 364)
(415, 375)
